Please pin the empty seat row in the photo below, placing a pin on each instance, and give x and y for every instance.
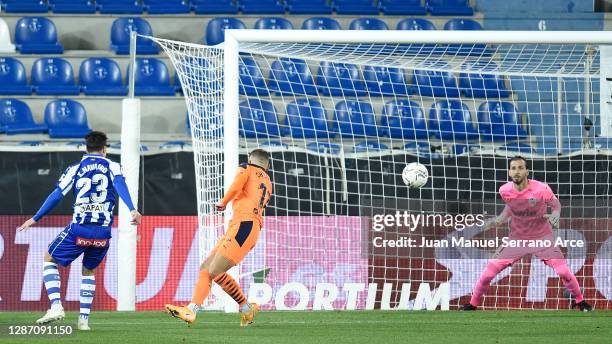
(402, 119)
(63, 118)
(357, 7)
(97, 76)
(216, 27)
(293, 76)
(102, 76)
(38, 35)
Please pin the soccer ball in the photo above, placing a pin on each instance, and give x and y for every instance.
(415, 175)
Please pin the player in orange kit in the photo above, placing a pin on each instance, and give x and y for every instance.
(250, 192)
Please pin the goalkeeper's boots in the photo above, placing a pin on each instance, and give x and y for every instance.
(183, 313)
(246, 318)
(55, 313)
(583, 305)
(468, 307)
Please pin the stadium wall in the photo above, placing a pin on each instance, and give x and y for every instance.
(540, 6)
(545, 21)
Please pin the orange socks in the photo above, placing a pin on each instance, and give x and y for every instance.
(202, 288)
(231, 287)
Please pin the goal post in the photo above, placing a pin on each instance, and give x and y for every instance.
(342, 112)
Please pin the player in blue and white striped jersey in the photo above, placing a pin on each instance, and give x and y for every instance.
(94, 181)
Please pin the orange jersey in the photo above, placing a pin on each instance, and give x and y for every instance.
(250, 193)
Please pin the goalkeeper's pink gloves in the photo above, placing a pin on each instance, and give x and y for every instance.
(553, 218)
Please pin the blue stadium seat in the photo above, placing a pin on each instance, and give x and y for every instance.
(499, 122)
(215, 30)
(252, 82)
(356, 7)
(262, 7)
(462, 24)
(433, 83)
(26, 6)
(308, 7)
(465, 49)
(368, 24)
(340, 79)
(403, 119)
(120, 36)
(415, 24)
(152, 78)
(258, 119)
(382, 81)
(37, 35)
(214, 6)
(66, 118)
(354, 118)
(369, 146)
(306, 119)
(13, 80)
(273, 24)
(402, 7)
(167, 6)
(73, 6)
(291, 76)
(16, 118)
(120, 6)
(450, 8)
(53, 76)
(321, 23)
(479, 84)
(451, 120)
(101, 76)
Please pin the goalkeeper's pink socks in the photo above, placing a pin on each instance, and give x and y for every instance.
(567, 276)
(494, 266)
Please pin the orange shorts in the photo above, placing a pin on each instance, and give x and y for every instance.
(238, 241)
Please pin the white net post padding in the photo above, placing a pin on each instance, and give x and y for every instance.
(343, 112)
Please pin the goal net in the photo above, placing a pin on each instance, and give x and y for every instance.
(342, 119)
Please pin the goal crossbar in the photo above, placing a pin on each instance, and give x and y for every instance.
(419, 36)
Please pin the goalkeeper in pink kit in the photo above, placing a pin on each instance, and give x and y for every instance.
(527, 202)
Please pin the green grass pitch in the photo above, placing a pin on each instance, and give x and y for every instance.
(371, 327)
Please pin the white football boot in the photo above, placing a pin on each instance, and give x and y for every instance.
(55, 313)
(83, 324)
